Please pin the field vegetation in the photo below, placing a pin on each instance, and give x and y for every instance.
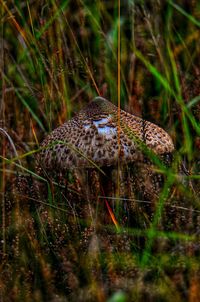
(80, 240)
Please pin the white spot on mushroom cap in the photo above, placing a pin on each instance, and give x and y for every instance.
(102, 121)
(86, 126)
(107, 131)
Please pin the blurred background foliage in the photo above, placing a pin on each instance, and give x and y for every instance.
(55, 57)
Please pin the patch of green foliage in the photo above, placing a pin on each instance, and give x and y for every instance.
(59, 243)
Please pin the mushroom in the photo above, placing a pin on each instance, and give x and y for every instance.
(93, 138)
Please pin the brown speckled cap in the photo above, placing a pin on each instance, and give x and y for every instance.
(91, 137)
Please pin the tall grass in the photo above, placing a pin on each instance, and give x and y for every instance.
(58, 241)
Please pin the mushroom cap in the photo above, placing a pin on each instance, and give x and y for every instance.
(93, 137)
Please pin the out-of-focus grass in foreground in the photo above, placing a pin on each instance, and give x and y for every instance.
(55, 57)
